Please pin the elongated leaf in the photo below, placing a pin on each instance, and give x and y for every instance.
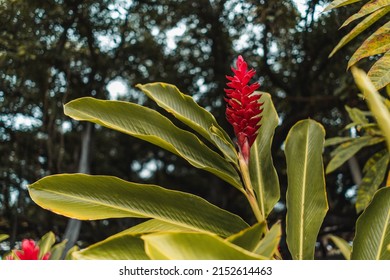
(373, 229)
(336, 141)
(149, 125)
(339, 3)
(83, 197)
(263, 174)
(184, 108)
(368, 8)
(373, 160)
(268, 246)
(344, 247)
(154, 225)
(69, 254)
(379, 73)
(193, 246)
(347, 150)
(116, 247)
(363, 25)
(45, 244)
(371, 181)
(306, 200)
(377, 43)
(57, 250)
(250, 237)
(374, 101)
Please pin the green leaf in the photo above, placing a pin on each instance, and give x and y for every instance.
(3, 237)
(116, 247)
(306, 200)
(344, 246)
(264, 177)
(374, 101)
(84, 197)
(184, 108)
(151, 126)
(45, 244)
(380, 72)
(69, 254)
(154, 225)
(372, 179)
(347, 150)
(250, 237)
(357, 116)
(193, 246)
(57, 250)
(367, 9)
(336, 141)
(339, 3)
(363, 25)
(377, 43)
(373, 229)
(268, 246)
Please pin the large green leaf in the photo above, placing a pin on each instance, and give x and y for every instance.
(83, 197)
(373, 229)
(373, 177)
(374, 101)
(380, 72)
(368, 8)
(348, 149)
(45, 244)
(116, 247)
(363, 25)
(154, 225)
(151, 126)
(193, 246)
(184, 108)
(344, 247)
(377, 43)
(339, 3)
(306, 199)
(264, 177)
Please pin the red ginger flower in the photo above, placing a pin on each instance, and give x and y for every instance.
(243, 107)
(29, 251)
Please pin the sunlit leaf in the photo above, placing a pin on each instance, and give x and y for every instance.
(368, 8)
(373, 177)
(250, 237)
(373, 229)
(151, 126)
(268, 246)
(154, 225)
(45, 244)
(70, 252)
(89, 197)
(306, 199)
(3, 237)
(380, 72)
(193, 246)
(344, 247)
(347, 150)
(263, 174)
(184, 108)
(377, 43)
(57, 250)
(339, 3)
(363, 25)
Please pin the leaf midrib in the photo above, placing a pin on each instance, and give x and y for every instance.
(382, 240)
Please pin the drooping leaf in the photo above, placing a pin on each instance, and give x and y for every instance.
(264, 177)
(83, 197)
(368, 8)
(377, 43)
(57, 250)
(193, 246)
(373, 229)
(347, 150)
(363, 25)
(45, 244)
(116, 247)
(344, 247)
(336, 141)
(339, 3)
(306, 199)
(151, 126)
(184, 108)
(374, 101)
(379, 73)
(372, 179)
(3, 237)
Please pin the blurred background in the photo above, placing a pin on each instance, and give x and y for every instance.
(54, 51)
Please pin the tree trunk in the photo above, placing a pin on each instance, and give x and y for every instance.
(73, 227)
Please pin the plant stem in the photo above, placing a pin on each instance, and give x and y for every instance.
(250, 195)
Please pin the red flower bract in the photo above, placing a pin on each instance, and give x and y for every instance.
(29, 251)
(243, 107)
